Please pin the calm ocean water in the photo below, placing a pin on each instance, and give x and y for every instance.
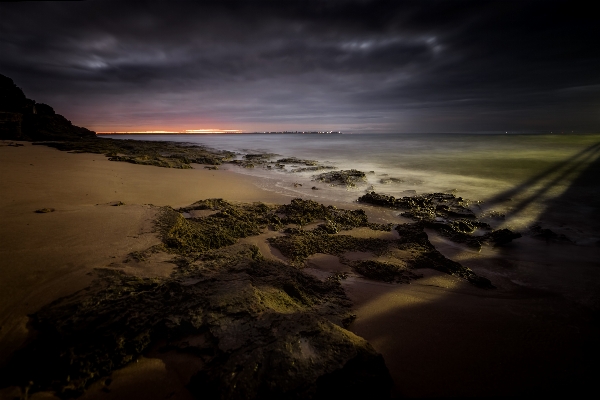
(523, 176)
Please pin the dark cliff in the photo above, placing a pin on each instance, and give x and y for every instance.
(24, 119)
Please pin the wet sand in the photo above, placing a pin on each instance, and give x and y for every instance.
(440, 336)
(50, 255)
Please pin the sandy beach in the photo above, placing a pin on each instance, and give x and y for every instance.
(49, 255)
(439, 335)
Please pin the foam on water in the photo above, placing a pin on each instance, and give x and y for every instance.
(516, 175)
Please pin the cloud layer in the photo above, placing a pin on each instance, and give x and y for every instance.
(359, 66)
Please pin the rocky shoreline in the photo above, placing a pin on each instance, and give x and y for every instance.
(282, 332)
(256, 326)
(260, 327)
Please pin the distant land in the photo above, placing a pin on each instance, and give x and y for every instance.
(222, 133)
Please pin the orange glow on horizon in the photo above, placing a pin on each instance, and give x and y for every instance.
(186, 131)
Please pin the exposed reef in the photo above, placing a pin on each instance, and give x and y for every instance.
(447, 214)
(348, 178)
(261, 328)
(298, 161)
(44, 210)
(384, 271)
(143, 152)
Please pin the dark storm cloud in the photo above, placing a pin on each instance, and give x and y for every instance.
(357, 65)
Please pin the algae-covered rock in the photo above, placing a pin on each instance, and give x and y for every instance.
(262, 328)
(156, 153)
(45, 210)
(387, 181)
(294, 160)
(217, 230)
(447, 214)
(299, 245)
(348, 178)
(384, 271)
(156, 161)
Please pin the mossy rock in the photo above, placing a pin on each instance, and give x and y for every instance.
(449, 215)
(348, 178)
(263, 328)
(384, 271)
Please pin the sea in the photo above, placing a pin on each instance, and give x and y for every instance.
(545, 309)
(551, 180)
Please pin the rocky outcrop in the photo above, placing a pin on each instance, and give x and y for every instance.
(348, 178)
(447, 214)
(24, 119)
(262, 328)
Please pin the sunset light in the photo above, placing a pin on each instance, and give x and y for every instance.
(185, 132)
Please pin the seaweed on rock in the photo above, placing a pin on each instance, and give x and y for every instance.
(223, 228)
(447, 214)
(348, 178)
(160, 154)
(262, 328)
(299, 245)
(294, 160)
(385, 271)
(418, 253)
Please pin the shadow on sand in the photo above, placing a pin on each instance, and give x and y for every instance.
(518, 340)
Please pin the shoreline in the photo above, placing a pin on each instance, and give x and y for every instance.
(82, 188)
(57, 254)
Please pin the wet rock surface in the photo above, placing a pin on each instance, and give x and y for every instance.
(44, 210)
(385, 271)
(262, 328)
(413, 238)
(348, 178)
(287, 164)
(447, 214)
(537, 232)
(155, 153)
(298, 161)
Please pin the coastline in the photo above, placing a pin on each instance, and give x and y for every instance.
(48, 256)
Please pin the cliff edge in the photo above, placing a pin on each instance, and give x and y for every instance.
(24, 119)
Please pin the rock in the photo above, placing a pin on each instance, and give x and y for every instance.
(262, 328)
(159, 154)
(348, 178)
(45, 210)
(548, 235)
(445, 213)
(386, 181)
(385, 271)
(157, 161)
(12, 98)
(502, 236)
(294, 160)
(21, 118)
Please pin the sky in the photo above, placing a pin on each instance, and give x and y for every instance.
(352, 66)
